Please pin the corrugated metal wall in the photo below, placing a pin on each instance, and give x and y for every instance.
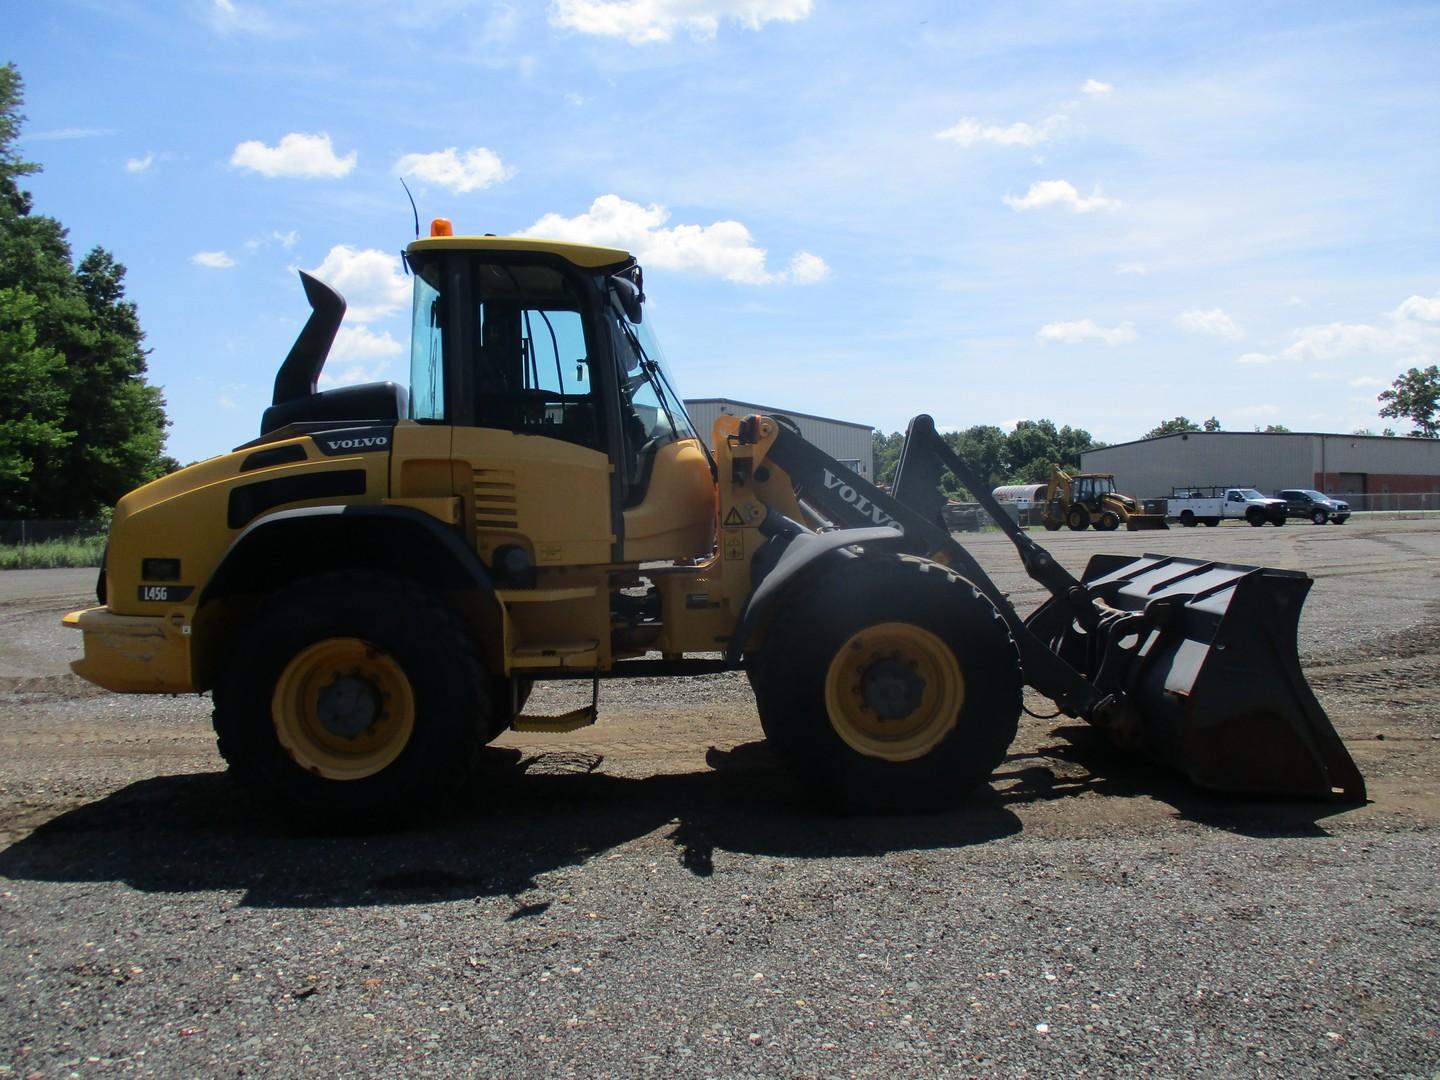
(1267, 461)
(849, 443)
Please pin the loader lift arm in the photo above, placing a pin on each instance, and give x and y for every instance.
(849, 501)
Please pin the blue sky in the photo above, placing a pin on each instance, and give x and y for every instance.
(1102, 213)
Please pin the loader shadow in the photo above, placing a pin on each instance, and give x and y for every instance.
(529, 817)
(199, 832)
(1088, 763)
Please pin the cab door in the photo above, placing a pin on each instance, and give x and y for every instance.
(523, 400)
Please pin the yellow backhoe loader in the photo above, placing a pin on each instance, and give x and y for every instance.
(1080, 500)
(370, 588)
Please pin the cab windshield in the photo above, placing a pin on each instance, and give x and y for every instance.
(1250, 494)
(654, 413)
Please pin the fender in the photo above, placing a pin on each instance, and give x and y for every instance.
(799, 548)
(281, 547)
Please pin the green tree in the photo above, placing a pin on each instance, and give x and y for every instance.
(32, 404)
(1211, 425)
(887, 455)
(1175, 427)
(1031, 449)
(1415, 396)
(1278, 429)
(983, 448)
(1074, 442)
(83, 425)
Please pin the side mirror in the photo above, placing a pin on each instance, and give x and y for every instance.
(626, 297)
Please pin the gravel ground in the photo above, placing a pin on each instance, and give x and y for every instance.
(648, 897)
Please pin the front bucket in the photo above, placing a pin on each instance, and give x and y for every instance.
(1139, 522)
(1206, 656)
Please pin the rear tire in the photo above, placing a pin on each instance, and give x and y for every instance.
(888, 685)
(1187, 518)
(353, 700)
(1078, 519)
(1319, 517)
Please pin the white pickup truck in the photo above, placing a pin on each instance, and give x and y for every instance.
(1207, 505)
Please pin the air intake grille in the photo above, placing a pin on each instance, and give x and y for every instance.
(495, 500)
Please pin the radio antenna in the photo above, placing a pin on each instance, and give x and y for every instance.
(412, 206)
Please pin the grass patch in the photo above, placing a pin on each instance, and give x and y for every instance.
(48, 554)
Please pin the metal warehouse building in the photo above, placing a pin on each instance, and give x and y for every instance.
(850, 444)
(1371, 472)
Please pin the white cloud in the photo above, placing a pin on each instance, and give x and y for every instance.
(1336, 341)
(364, 354)
(476, 168)
(1213, 322)
(1423, 308)
(229, 394)
(139, 165)
(970, 131)
(1096, 88)
(724, 249)
(228, 17)
(286, 240)
(215, 260)
(1044, 193)
(61, 134)
(1367, 381)
(1139, 269)
(807, 269)
(1411, 334)
(1072, 333)
(307, 156)
(355, 374)
(642, 22)
(370, 280)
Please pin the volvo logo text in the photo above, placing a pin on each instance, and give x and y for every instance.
(855, 499)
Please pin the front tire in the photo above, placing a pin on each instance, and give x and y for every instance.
(1109, 521)
(888, 685)
(353, 699)
(1255, 517)
(1319, 517)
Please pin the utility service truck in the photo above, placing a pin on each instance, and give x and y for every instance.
(1209, 505)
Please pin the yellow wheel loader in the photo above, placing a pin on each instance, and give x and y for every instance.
(1080, 500)
(370, 588)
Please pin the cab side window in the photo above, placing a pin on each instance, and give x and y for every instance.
(532, 362)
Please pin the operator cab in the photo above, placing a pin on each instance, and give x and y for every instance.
(1092, 488)
(524, 336)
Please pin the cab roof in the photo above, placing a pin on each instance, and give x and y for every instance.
(584, 255)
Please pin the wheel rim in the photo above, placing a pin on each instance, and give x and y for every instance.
(343, 709)
(894, 691)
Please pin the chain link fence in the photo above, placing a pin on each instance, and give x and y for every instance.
(24, 533)
(1402, 502)
(45, 544)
